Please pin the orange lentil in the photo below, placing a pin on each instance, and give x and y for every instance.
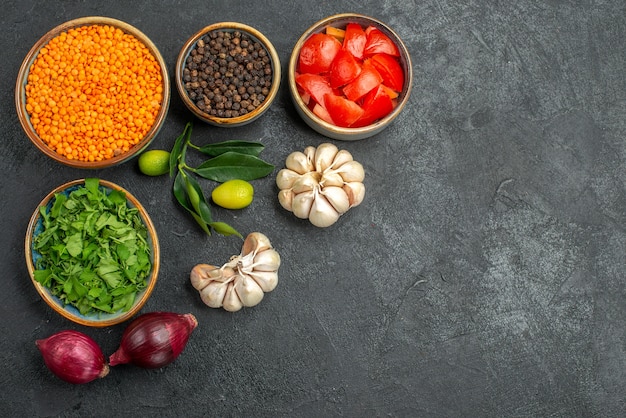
(93, 92)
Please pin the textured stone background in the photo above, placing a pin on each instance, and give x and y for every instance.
(482, 276)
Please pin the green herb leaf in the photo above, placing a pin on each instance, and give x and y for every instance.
(242, 147)
(233, 165)
(175, 154)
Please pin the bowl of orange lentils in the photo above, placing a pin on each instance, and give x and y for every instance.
(92, 92)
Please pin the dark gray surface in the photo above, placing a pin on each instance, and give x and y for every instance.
(483, 275)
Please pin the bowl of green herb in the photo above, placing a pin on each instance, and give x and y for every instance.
(92, 252)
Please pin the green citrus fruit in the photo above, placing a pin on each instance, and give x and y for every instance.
(154, 162)
(233, 194)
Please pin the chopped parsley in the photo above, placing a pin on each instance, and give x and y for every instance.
(94, 249)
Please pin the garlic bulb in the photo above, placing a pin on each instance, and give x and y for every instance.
(243, 280)
(320, 184)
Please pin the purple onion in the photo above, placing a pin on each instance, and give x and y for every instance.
(73, 357)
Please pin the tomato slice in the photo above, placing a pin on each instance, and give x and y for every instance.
(322, 113)
(354, 40)
(366, 81)
(377, 42)
(390, 70)
(376, 104)
(317, 53)
(316, 85)
(344, 69)
(390, 92)
(343, 112)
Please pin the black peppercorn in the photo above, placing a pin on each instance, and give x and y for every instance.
(227, 74)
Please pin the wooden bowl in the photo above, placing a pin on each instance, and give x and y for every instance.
(21, 95)
(328, 129)
(35, 227)
(228, 122)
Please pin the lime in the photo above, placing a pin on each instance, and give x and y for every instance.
(154, 162)
(233, 194)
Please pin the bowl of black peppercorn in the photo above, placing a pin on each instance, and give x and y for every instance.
(228, 74)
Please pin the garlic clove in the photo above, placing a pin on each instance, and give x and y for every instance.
(255, 242)
(203, 274)
(324, 156)
(306, 182)
(268, 260)
(310, 154)
(355, 192)
(213, 294)
(268, 280)
(351, 171)
(299, 162)
(231, 301)
(285, 178)
(322, 213)
(248, 290)
(337, 197)
(301, 204)
(285, 198)
(342, 157)
(331, 178)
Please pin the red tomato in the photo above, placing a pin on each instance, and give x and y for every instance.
(344, 69)
(343, 112)
(316, 85)
(322, 113)
(354, 40)
(378, 42)
(367, 80)
(390, 70)
(391, 93)
(376, 104)
(317, 53)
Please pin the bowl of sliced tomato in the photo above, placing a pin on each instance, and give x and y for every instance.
(350, 76)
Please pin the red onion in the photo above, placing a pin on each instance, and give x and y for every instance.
(154, 339)
(73, 357)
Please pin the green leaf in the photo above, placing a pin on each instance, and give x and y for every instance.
(57, 206)
(180, 192)
(223, 228)
(242, 147)
(92, 184)
(233, 165)
(43, 277)
(74, 244)
(123, 252)
(177, 151)
(197, 199)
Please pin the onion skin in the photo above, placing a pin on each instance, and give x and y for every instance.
(73, 356)
(154, 339)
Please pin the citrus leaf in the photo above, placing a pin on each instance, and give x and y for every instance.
(223, 228)
(242, 147)
(233, 165)
(177, 149)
